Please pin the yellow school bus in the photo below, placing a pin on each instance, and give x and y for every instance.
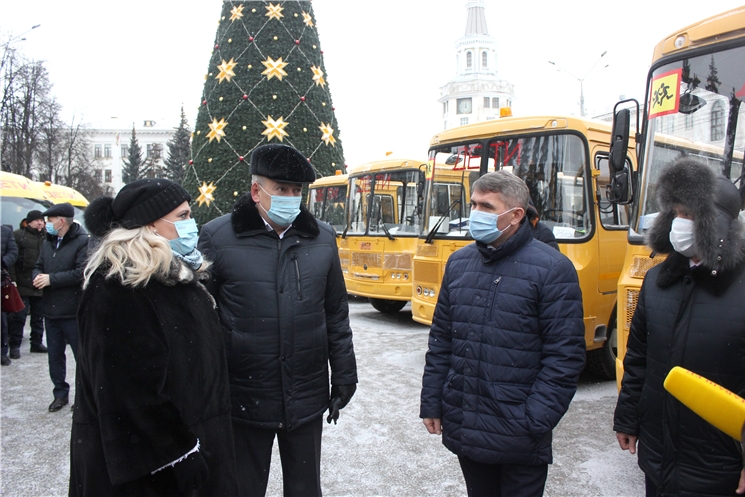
(564, 162)
(327, 198)
(695, 88)
(383, 223)
(58, 194)
(19, 196)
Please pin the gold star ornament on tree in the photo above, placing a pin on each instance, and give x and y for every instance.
(328, 134)
(318, 76)
(226, 70)
(237, 13)
(217, 129)
(275, 129)
(307, 19)
(205, 193)
(274, 11)
(274, 68)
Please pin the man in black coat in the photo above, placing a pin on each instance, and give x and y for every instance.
(29, 238)
(9, 254)
(282, 304)
(59, 271)
(506, 346)
(690, 313)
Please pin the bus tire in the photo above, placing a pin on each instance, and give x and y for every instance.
(388, 306)
(602, 362)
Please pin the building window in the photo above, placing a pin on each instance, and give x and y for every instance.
(689, 121)
(97, 175)
(125, 151)
(490, 118)
(444, 107)
(107, 175)
(495, 102)
(469, 60)
(509, 103)
(464, 106)
(487, 101)
(717, 121)
(149, 150)
(484, 59)
(97, 151)
(463, 121)
(107, 150)
(445, 125)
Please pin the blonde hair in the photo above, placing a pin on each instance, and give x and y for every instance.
(134, 256)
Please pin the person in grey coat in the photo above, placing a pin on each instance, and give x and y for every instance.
(282, 303)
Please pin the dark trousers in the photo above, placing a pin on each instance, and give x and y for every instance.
(17, 321)
(299, 450)
(650, 487)
(508, 480)
(60, 332)
(4, 344)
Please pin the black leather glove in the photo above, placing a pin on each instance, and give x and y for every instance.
(340, 397)
(191, 473)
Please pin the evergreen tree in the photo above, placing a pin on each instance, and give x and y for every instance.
(712, 80)
(266, 83)
(179, 151)
(132, 169)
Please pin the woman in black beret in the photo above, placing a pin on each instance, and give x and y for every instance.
(152, 401)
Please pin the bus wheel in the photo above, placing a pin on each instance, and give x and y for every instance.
(602, 361)
(388, 306)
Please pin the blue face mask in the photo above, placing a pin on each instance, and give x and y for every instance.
(51, 229)
(187, 236)
(483, 226)
(283, 210)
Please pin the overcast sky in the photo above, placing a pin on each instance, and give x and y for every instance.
(386, 60)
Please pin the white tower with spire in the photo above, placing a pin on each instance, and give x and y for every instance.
(476, 93)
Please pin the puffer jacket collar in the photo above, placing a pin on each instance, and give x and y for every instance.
(516, 241)
(247, 221)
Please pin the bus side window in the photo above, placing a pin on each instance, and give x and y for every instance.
(612, 216)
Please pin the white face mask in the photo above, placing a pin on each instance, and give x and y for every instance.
(682, 237)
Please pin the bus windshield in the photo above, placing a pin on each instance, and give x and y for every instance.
(693, 110)
(552, 165)
(394, 209)
(326, 203)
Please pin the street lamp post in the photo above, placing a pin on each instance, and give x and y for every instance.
(582, 80)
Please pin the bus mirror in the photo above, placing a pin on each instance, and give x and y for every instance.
(619, 141)
(618, 189)
(690, 103)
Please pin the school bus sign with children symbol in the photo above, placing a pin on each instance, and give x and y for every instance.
(665, 94)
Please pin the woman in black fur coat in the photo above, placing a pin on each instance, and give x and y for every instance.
(152, 403)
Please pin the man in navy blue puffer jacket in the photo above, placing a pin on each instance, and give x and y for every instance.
(506, 346)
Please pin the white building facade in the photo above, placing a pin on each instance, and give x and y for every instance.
(110, 146)
(476, 93)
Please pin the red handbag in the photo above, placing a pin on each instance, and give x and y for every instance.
(12, 301)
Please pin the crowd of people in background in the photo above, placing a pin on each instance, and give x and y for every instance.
(191, 361)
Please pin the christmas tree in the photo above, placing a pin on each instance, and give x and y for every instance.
(266, 83)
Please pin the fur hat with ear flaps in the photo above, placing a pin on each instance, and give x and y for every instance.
(715, 204)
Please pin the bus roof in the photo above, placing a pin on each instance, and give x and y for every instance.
(512, 125)
(386, 165)
(715, 29)
(58, 194)
(15, 185)
(339, 179)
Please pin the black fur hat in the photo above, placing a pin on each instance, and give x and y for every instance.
(715, 204)
(281, 163)
(137, 204)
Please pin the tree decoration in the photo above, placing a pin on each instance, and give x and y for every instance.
(266, 83)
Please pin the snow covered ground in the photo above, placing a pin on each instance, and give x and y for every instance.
(378, 448)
